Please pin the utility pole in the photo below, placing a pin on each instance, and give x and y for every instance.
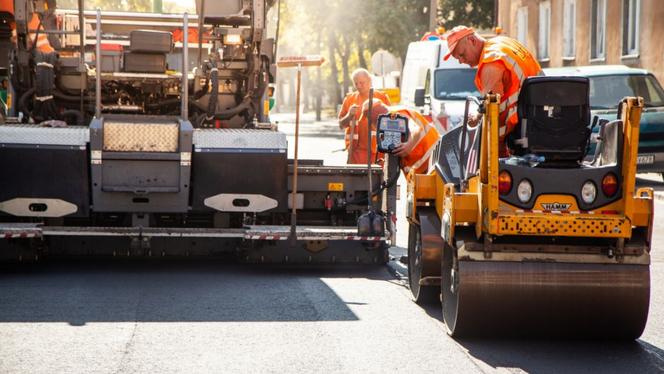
(157, 7)
(433, 13)
(496, 16)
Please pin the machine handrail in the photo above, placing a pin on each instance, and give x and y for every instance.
(185, 73)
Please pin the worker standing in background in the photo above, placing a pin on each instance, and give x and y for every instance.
(422, 138)
(350, 109)
(502, 65)
(41, 43)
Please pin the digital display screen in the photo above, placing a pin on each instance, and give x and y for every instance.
(393, 124)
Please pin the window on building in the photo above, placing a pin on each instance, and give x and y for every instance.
(631, 26)
(544, 30)
(598, 29)
(569, 28)
(522, 25)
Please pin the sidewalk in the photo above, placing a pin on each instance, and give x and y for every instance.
(653, 180)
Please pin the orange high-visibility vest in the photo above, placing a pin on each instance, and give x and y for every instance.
(419, 156)
(360, 135)
(42, 40)
(520, 64)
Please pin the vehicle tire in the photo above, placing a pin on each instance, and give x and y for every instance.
(420, 294)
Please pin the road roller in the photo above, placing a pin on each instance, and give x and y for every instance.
(553, 241)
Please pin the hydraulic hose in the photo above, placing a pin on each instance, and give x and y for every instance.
(80, 120)
(250, 68)
(212, 102)
(22, 101)
(228, 113)
(194, 104)
(64, 97)
(164, 103)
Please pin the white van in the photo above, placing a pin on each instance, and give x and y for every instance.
(429, 81)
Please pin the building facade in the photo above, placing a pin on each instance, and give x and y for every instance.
(588, 32)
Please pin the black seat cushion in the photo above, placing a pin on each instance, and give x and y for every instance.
(556, 114)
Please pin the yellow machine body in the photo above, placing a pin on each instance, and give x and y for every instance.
(500, 269)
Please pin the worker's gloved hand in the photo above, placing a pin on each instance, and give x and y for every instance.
(352, 110)
(404, 149)
(474, 119)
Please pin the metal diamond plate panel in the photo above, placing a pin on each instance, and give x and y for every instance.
(239, 139)
(140, 137)
(38, 135)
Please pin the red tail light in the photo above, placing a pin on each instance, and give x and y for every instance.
(504, 182)
(610, 185)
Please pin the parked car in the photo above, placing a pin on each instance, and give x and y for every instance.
(428, 83)
(611, 83)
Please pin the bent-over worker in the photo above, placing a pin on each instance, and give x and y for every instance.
(502, 66)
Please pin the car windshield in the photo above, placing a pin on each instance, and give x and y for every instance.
(607, 91)
(455, 84)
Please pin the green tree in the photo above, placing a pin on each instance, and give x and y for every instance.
(347, 32)
(393, 27)
(474, 13)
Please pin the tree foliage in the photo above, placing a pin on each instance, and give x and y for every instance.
(347, 32)
(393, 27)
(473, 13)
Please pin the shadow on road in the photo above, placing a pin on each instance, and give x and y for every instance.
(574, 356)
(83, 292)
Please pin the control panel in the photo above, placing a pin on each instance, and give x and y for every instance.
(391, 130)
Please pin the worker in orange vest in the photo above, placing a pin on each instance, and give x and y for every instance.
(350, 110)
(502, 66)
(417, 150)
(41, 43)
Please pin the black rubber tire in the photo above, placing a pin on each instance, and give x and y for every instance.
(450, 294)
(420, 294)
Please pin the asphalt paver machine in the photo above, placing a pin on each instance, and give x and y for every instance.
(136, 138)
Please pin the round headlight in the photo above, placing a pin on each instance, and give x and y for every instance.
(588, 192)
(525, 191)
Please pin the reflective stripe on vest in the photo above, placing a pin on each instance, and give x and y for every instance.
(520, 68)
(42, 40)
(356, 137)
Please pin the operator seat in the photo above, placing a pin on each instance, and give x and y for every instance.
(223, 12)
(554, 118)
